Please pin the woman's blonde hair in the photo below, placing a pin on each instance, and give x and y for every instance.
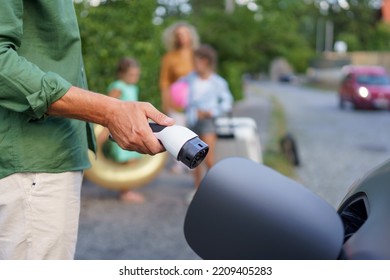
(169, 35)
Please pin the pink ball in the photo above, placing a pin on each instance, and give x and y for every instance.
(179, 94)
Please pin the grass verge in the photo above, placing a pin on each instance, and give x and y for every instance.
(322, 86)
(272, 156)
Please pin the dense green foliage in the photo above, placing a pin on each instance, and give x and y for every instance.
(246, 40)
(360, 25)
(118, 29)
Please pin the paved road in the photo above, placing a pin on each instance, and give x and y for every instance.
(336, 147)
(110, 229)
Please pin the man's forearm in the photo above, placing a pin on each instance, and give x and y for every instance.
(126, 121)
(84, 105)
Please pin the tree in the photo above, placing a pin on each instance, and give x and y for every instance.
(121, 28)
(356, 22)
(247, 37)
(248, 40)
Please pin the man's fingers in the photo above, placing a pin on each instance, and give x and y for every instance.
(131, 130)
(157, 116)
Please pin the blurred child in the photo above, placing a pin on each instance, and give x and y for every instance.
(125, 88)
(209, 97)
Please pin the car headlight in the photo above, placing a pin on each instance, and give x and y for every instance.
(363, 92)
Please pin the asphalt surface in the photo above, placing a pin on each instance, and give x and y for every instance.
(336, 148)
(114, 230)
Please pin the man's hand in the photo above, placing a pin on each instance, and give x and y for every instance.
(126, 121)
(129, 127)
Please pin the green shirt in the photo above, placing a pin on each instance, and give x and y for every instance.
(40, 59)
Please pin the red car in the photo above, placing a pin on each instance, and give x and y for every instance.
(366, 87)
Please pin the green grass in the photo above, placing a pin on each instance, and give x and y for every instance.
(272, 156)
(322, 86)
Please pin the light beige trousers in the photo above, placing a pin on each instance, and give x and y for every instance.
(39, 215)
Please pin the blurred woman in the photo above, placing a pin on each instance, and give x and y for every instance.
(180, 40)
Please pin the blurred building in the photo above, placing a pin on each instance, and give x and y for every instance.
(386, 10)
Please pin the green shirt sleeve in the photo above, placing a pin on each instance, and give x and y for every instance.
(24, 87)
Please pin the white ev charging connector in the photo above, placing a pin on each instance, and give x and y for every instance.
(181, 143)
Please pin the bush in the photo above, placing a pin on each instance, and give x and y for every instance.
(117, 29)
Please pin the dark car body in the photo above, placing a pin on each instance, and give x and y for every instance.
(364, 212)
(254, 212)
(366, 87)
